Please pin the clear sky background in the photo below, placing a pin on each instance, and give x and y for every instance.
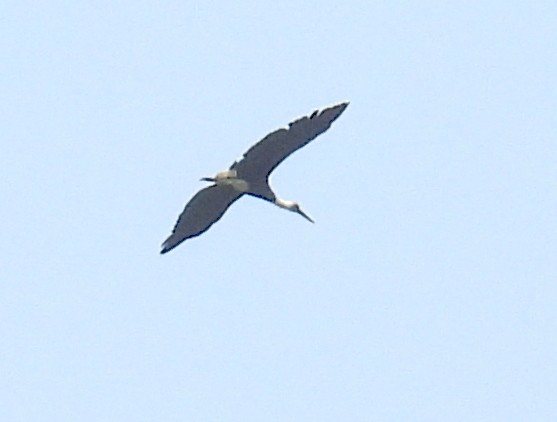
(426, 290)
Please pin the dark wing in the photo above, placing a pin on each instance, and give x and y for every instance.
(262, 158)
(205, 208)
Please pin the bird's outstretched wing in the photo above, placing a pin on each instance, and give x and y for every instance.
(262, 158)
(205, 208)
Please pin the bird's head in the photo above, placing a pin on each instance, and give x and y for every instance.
(294, 207)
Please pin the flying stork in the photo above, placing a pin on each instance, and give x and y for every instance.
(250, 175)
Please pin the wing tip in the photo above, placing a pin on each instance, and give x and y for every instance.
(334, 111)
(167, 246)
(341, 106)
(337, 109)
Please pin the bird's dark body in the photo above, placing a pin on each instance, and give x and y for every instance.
(210, 203)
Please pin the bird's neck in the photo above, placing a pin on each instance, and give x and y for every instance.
(284, 203)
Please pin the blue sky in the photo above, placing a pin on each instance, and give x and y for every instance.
(425, 291)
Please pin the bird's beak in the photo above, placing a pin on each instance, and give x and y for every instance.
(207, 179)
(303, 214)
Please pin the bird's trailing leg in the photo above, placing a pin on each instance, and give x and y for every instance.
(228, 177)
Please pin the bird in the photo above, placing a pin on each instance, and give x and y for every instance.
(250, 175)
